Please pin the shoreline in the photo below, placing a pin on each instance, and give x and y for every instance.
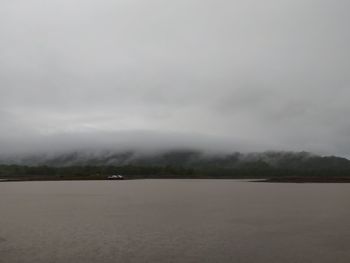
(307, 180)
(312, 179)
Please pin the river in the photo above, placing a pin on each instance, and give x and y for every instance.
(174, 221)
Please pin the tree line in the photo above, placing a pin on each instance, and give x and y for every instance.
(168, 171)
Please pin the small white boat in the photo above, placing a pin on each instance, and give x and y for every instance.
(115, 177)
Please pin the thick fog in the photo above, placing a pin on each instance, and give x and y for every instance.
(231, 75)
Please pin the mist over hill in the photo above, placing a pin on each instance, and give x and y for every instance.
(181, 158)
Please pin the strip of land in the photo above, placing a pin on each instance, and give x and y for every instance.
(280, 179)
(312, 179)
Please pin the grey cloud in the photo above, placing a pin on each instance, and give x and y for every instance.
(246, 75)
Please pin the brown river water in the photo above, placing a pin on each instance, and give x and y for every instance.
(174, 221)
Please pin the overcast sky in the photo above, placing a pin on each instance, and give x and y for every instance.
(245, 75)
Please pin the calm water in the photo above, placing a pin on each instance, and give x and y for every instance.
(174, 221)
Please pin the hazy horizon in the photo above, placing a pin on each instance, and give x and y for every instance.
(152, 75)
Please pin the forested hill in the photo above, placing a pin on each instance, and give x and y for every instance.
(191, 159)
(179, 163)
